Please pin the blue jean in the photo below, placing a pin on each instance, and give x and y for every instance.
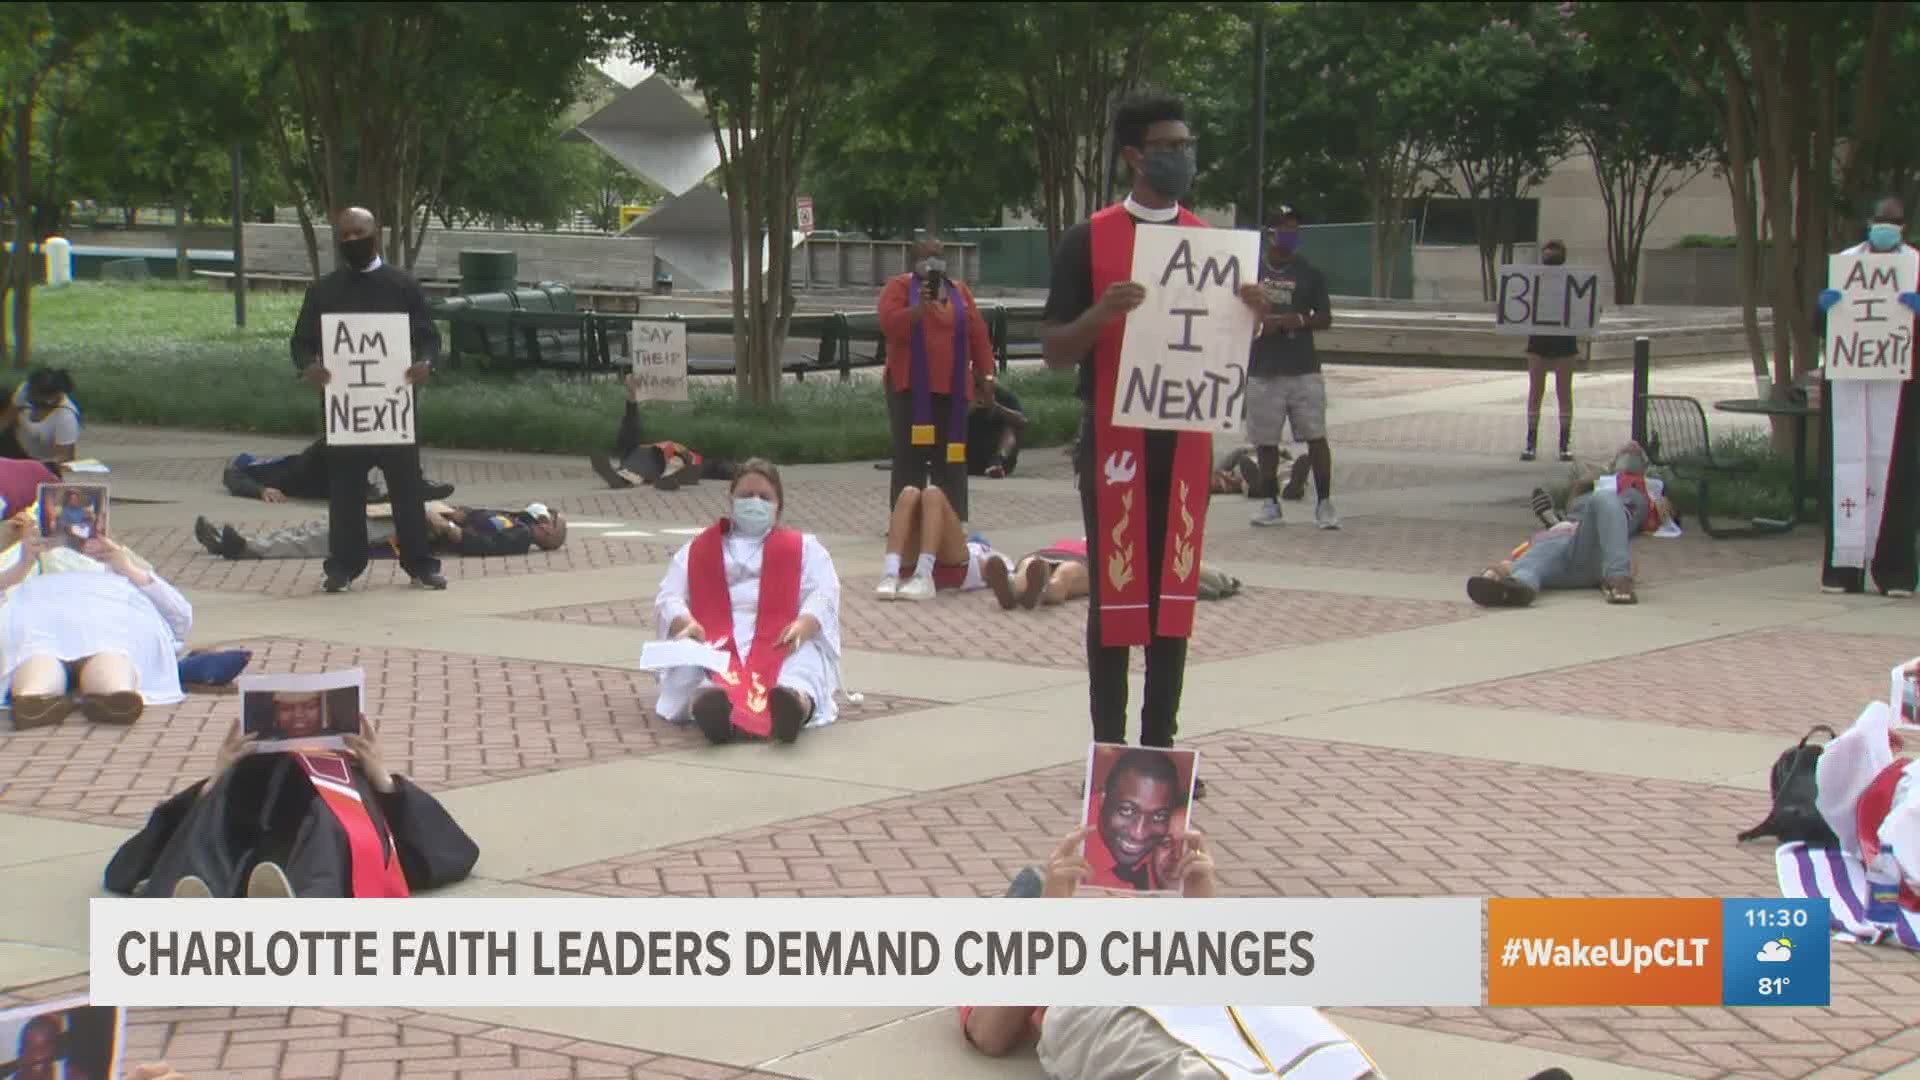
(1594, 551)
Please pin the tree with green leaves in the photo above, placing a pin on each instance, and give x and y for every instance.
(1502, 87)
(1801, 93)
(764, 71)
(382, 102)
(923, 141)
(1350, 117)
(39, 42)
(1645, 130)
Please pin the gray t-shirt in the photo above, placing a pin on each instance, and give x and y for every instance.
(1297, 288)
(40, 438)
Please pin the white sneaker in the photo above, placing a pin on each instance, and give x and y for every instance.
(1324, 515)
(1900, 594)
(889, 589)
(918, 589)
(1269, 514)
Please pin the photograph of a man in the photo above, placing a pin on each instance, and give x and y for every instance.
(72, 514)
(312, 710)
(60, 1040)
(1138, 802)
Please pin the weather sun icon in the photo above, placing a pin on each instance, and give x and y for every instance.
(1778, 951)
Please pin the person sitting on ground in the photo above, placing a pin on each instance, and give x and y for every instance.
(461, 531)
(313, 824)
(665, 465)
(926, 538)
(97, 620)
(768, 597)
(40, 421)
(1589, 548)
(994, 428)
(1058, 573)
(301, 476)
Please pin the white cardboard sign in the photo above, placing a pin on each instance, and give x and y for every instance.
(1869, 332)
(1183, 361)
(660, 360)
(1560, 301)
(368, 400)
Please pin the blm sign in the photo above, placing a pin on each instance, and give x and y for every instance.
(1869, 332)
(1183, 362)
(368, 400)
(1558, 301)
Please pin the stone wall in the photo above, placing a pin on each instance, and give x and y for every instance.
(600, 262)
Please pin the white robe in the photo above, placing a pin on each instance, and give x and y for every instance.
(1864, 415)
(1851, 762)
(813, 668)
(1109, 1042)
(73, 607)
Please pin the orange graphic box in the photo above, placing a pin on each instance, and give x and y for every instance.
(1584, 952)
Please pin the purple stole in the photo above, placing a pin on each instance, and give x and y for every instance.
(923, 434)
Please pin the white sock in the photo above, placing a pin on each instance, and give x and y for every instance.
(890, 566)
(924, 567)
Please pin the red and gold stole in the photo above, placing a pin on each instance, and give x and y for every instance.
(1117, 553)
(376, 872)
(711, 603)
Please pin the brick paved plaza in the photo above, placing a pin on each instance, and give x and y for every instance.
(1364, 730)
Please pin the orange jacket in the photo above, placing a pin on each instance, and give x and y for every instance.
(896, 325)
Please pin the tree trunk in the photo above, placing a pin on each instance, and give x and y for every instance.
(22, 229)
(182, 266)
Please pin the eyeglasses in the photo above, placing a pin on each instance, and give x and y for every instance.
(1184, 146)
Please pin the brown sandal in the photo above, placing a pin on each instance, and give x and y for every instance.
(120, 709)
(1618, 590)
(40, 710)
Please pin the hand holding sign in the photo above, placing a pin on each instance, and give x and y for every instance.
(1183, 361)
(371, 403)
(1870, 328)
(659, 361)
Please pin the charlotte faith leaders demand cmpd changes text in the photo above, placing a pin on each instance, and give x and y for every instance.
(669, 953)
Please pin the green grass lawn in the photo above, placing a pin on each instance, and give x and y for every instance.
(169, 355)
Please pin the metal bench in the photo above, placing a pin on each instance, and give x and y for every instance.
(1678, 441)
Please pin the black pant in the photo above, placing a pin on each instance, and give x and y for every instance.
(1166, 656)
(1892, 564)
(347, 508)
(917, 466)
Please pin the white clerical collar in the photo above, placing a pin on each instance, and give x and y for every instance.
(1152, 215)
(376, 264)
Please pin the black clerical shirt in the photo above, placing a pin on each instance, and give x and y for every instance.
(380, 290)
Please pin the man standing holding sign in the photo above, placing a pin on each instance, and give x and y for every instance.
(1143, 493)
(365, 338)
(1869, 413)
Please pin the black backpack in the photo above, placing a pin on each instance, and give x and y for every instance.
(1795, 815)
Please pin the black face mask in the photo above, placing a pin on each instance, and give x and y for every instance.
(358, 252)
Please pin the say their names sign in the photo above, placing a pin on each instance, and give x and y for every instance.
(1183, 361)
(1563, 301)
(660, 360)
(368, 400)
(1870, 332)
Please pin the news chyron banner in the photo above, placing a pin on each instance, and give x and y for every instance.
(930, 952)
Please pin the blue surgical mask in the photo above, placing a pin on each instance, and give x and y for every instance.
(1883, 236)
(752, 516)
